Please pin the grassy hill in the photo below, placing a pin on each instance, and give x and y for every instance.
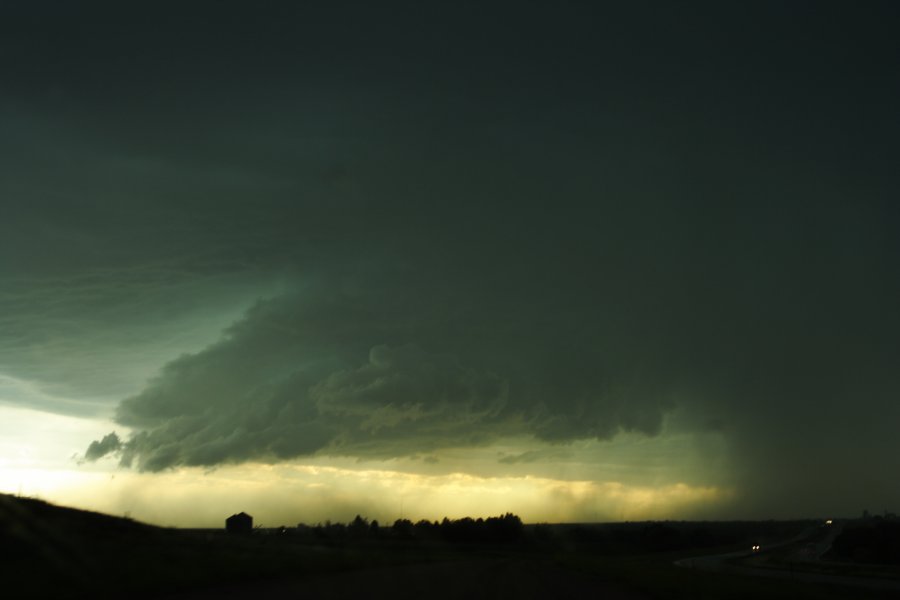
(48, 551)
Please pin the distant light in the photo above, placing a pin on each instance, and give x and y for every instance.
(828, 522)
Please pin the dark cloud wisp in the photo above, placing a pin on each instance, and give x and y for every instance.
(108, 445)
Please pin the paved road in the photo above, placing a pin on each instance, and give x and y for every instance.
(724, 563)
(718, 562)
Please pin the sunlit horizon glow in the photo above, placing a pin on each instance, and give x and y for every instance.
(296, 493)
(582, 482)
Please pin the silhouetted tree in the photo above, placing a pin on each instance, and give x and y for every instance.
(403, 528)
(359, 527)
(507, 528)
(425, 529)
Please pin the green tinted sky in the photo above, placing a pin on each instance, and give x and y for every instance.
(569, 244)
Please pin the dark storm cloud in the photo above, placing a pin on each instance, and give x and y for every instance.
(98, 449)
(560, 341)
(470, 221)
(535, 456)
(375, 371)
(73, 335)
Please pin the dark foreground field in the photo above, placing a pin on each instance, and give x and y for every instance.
(53, 552)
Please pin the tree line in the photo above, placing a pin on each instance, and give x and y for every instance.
(501, 529)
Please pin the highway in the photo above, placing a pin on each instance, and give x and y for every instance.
(808, 553)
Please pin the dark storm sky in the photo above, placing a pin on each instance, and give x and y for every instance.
(380, 229)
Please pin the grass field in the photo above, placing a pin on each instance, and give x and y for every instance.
(53, 552)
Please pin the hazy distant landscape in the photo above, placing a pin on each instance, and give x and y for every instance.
(56, 552)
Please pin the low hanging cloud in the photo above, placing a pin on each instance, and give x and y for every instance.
(107, 445)
(337, 373)
(405, 386)
(438, 344)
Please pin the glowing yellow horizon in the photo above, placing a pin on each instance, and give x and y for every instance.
(292, 493)
(630, 478)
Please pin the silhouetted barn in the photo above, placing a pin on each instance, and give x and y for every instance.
(239, 523)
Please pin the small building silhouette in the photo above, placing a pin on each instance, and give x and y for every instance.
(239, 523)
